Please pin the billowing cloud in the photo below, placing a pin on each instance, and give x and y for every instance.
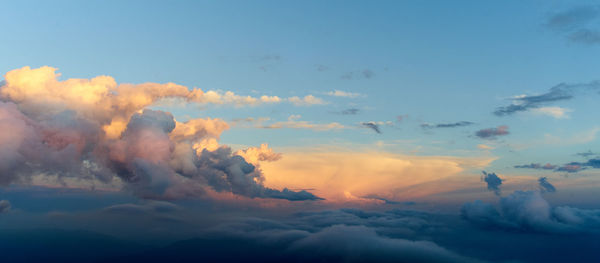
(492, 133)
(529, 211)
(4, 206)
(493, 182)
(446, 125)
(255, 154)
(546, 186)
(96, 130)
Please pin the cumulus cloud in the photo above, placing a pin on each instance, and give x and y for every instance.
(446, 125)
(4, 206)
(306, 100)
(546, 186)
(97, 130)
(255, 154)
(492, 133)
(529, 211)
(493, 182)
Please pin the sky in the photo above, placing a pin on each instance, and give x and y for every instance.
(434, 131)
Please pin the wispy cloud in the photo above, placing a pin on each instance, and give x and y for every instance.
(447, 125)
(554, 112)
(340, 93)
(372, 125)
(361, 74)
(537, 166)
(577, 24)
(492, 133)
(294, 122)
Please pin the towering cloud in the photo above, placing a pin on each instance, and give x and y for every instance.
(98, 130)
(493, 182)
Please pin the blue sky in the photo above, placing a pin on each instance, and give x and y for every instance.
(400, 107)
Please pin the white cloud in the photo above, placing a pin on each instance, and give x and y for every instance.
(340, 93)
(306, 101)
(555, 112)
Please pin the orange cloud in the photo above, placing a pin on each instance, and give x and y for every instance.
(343, 176)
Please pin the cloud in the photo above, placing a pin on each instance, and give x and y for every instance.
(554, 112)
(255, 154)
(372, 125)
(97, 131)
(339, 175)
(308, 100)
(321, 67)
(4, 206)
(577, 24)
(293, 122)
(529, 211)
(364, 74)
(339, 93)
(537, 166)
(546, 186)
(447, 125)
(351, 111)
(493, 182)
(574, 167)
(559, 92)
(484, 147)
(492, 133)
(586, 154)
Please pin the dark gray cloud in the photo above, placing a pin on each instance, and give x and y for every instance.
(493, 182)
(559, 92)
(492, 133)
(587, 154)
(546, 186)
(574, 167)
(577, 24)
(4, 206)
(537, 166)
(447, 125)
(371, 125)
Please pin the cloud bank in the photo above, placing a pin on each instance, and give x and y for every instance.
(100, 131)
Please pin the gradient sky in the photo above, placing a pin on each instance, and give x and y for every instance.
(367, 105)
